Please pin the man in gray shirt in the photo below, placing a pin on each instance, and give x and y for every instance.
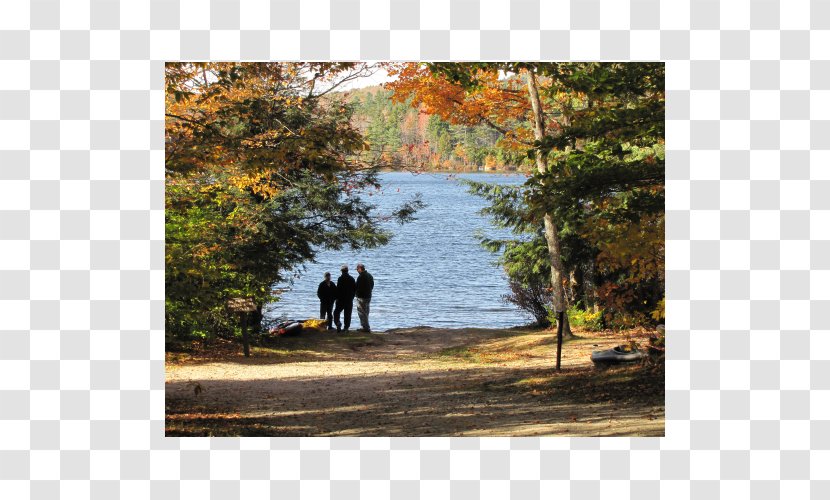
(363, 292)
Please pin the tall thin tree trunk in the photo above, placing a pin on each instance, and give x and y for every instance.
(571, 289)
(590, 286)
(551, 231)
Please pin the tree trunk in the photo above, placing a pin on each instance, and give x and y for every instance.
(590, 286)
(255, 321)
(571, 289)
(551, 231)
(246, 346)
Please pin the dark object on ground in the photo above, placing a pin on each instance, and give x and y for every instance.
(619, 354)
(287, 328)
(197, 387)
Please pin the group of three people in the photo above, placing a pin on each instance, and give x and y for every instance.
(340, 297)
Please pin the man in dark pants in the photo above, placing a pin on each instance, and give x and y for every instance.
(345, 297)
(363, 291)
(327, 293)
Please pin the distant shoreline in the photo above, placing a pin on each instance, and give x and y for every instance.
(440, 171)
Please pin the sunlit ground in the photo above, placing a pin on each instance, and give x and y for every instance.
(413, 382)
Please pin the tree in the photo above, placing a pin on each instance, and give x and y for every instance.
(478, 93)
(551, 231)
(525, 259)
(607, 177)
(262, 170)
(595, 132)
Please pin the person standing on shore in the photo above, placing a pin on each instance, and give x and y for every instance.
(363, 292)
(345, 298)
(327, 293)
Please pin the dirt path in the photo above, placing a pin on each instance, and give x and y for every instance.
(412, 382)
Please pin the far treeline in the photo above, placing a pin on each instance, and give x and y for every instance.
(408, 137)
(269, 162)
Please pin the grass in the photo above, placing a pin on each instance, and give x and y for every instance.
(480, 356)
(311, 345)
(461, 353)
(631, 383)
(511, 345)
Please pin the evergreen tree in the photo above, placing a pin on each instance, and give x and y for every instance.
(261, 172)
(599, 147)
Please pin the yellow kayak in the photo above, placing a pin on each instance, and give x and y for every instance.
(318, 324)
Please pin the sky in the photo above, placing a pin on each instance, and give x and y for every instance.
(381, 76)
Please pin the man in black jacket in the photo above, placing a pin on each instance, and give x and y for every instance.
(327, 293)
(345, 298)
(363, 291)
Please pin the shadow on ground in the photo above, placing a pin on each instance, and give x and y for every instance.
(451, 402)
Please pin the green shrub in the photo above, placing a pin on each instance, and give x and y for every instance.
(591, 321)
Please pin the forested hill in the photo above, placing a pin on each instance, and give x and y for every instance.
(408, 138)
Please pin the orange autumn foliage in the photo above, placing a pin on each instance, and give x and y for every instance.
(499, 102)
(232, 117)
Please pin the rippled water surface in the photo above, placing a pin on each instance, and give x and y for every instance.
(433, 272)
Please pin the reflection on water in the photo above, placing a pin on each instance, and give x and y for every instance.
(433, 272)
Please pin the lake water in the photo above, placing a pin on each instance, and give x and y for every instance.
(433, 272)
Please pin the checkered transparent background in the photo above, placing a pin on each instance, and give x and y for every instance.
(82, 244)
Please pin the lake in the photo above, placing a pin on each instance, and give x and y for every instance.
(433, 272)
